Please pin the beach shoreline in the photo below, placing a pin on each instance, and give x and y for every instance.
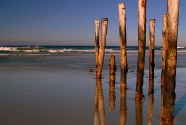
(34, 94)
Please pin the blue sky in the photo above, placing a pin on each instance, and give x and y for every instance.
(71, 22)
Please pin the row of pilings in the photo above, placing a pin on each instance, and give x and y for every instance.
(169, 52)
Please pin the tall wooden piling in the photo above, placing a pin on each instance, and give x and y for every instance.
(97, 25)
(102, 48)
(123, 40)
(151, 47)
(141, 48)
(164, 47)
(170, 60)
(112, 69)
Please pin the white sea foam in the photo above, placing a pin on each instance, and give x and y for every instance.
(31, 51)
(180, 47)
(8, 48)
(37, 49)
(78, 50)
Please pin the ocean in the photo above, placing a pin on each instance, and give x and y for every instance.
(78, 56)
(45, 85)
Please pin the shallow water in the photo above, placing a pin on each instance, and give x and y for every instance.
(58, 89)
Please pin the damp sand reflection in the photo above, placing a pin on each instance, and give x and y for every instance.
(99, 109)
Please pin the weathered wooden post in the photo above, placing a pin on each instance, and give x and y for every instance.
(164, 47)
(151, 48)
(123, 107)
(151, 87)
(123, 42)
(170, 60)
(112, 70)
(162, 93)
(97, 24)
(141, 48)
(123, 83)
(102, 47)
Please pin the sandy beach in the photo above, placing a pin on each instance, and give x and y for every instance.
(53, 95)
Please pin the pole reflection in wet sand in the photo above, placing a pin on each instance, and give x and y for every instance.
(139, 111)
(123, 107)
(112, 96)
(151, 102)
(99, 110)
(123, 102)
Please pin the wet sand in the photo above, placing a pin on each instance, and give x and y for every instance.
(62, 96)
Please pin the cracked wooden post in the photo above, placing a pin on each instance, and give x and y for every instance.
(97, 25)
(151, 47)
(123, 41)
(164, 47)
(170, 60)
(141, 48)
(112, 70)
(102, 47)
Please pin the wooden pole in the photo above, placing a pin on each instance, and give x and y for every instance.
(123, 83)
(123, 51)
(112, 69)
(162, 92)
(97, 24)
(141, 48)
(164, 47)
(170, 60)
(123, 41)
(151, 86)
(102, 47)
(151, 47)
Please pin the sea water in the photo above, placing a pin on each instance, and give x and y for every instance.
(53, 85)
(77, 56)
